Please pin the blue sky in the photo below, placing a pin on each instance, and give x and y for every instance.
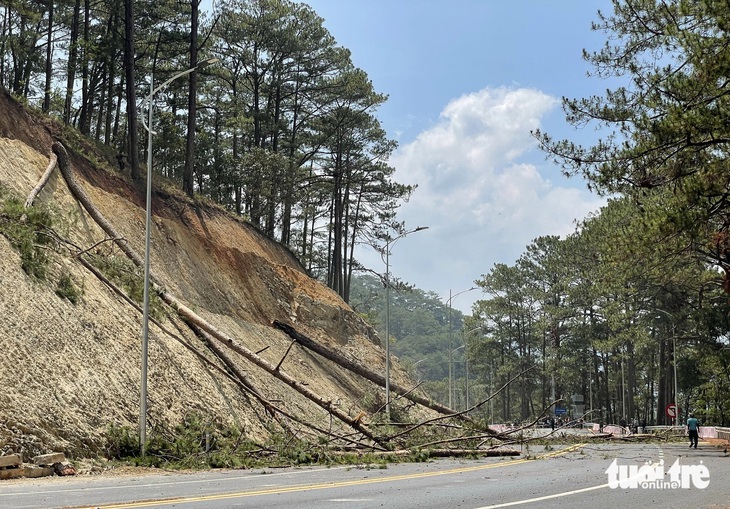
(467, 80)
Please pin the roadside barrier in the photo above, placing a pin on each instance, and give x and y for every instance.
(704, 431)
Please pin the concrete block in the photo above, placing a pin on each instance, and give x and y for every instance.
(28, 471)
(11, 460)
(45, 460)
(38, 471)
(12, 473)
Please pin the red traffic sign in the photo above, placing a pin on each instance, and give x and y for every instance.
(671, 411)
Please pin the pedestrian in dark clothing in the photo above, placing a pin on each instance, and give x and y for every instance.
(693, 428)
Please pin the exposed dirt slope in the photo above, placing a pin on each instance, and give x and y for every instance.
(70, 370)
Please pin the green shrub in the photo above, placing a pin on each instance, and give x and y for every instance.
(198, 442)
(28, 230)
(67, 289)
(122, 272)
(121, 443)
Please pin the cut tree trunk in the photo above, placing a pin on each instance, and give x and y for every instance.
(44, 180)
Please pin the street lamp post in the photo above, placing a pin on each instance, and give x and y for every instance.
(491, 391)
(466, 383)
(623, 384)
(590, 389)
(148, 224)
(451, 369)
(387, 314)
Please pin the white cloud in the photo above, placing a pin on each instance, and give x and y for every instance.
(476, 134)
(481, 203)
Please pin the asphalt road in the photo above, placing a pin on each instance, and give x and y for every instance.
(567, 477)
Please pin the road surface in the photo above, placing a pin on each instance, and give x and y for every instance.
(569, 477)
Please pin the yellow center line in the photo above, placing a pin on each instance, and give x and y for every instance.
(329, 485)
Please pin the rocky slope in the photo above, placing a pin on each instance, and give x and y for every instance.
(68, 371)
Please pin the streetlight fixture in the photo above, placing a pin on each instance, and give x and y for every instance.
(415, 369)
(148, 224)
(451, 369)
(387, 314)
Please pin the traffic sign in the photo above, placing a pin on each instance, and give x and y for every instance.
(671, 411)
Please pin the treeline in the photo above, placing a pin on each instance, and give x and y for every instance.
(281, 129)
(605, 313)
(599, 316)
(667, 155)
(639, 292)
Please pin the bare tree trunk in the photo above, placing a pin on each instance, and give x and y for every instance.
(78, 192)
(111, 60)
(133, 148)
(49, 61)
(192, 101)
(86, 100)
(365, 373)
(71, 67)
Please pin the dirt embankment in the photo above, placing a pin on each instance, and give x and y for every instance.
(69, 371)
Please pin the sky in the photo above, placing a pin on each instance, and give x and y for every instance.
(467, 80)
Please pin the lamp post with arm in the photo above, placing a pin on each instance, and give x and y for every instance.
(148, 223)
(387, 314)
(451, 358)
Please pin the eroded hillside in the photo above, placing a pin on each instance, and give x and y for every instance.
(68, 371)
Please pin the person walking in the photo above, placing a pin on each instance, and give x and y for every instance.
(693, 428)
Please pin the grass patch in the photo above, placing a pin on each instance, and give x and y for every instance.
(28, 230)
(123, 273)
(67, 289)
(32, 233)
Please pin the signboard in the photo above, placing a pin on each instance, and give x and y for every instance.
(561, 411)
(671, 411)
